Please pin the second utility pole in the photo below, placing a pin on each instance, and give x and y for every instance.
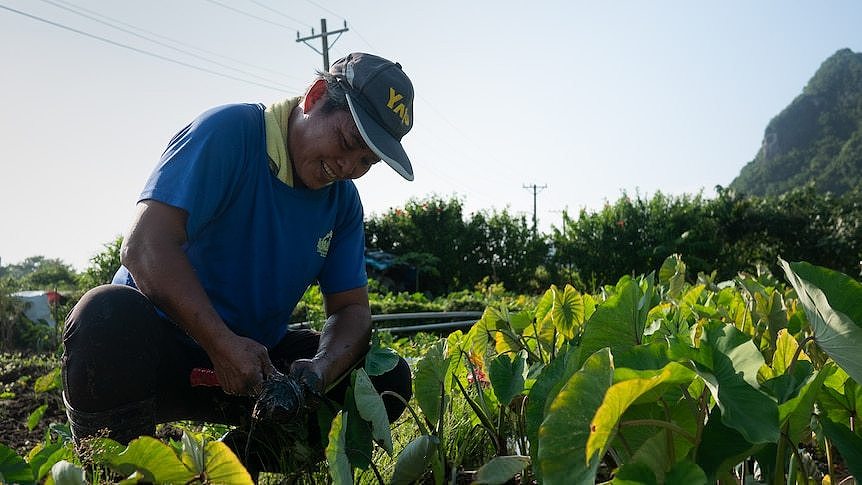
(324, 39)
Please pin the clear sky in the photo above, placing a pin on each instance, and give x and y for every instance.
(588, 98)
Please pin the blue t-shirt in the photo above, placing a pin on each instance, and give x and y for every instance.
(255, 243)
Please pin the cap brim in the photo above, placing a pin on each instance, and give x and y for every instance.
(380, 141)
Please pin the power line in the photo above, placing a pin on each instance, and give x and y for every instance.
(135, 49)
(277, 12)
(164, 44)
(179, 42)
(326, 10)
(242, 12)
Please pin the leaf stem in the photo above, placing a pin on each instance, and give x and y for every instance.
(661, 424)
(419, 422)
(798, 353)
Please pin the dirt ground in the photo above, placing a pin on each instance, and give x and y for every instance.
(14, 411)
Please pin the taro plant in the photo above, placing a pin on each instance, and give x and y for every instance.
(656, 382)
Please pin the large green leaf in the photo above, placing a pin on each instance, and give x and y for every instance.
(785, 348)
(833, 305)
(500, 469)
(721, 447)
(672, 274)
(634, 474)
(36, 416)
(371, 408)
(13, 468)
(152, 458)
(543, 392)
(429, 381)
(568, 311)
(66, 473)
(849, 445)
(841, 397)
(358, 439)
(616, 323)
(414, 460)
(685, 473)
(728, 362)
(624, 393)
(563, 434)
(336, 457)
(797, 410)
(44, 455)
(223, 466)
(651, 444)
(380, 360)
(507, 374)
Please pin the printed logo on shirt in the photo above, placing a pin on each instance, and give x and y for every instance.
(323, 244)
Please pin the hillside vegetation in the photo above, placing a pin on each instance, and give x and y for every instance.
(816, 139)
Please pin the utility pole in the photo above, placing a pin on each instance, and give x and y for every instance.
(535, 188)
(324, 40)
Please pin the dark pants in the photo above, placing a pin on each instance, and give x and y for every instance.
(126, 368)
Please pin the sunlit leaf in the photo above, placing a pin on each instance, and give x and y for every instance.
(500, 470)
(154, 459)
(624, 393)
(414, 460)
(48, 382)
(371, 408)
(563, 434)
(46, 455)
(192, 453)
(36, 416)
(65, 473)
(672, 274)
(568, 311)
(223, 466)
(785, 348)
(336, 457)
(833, 305)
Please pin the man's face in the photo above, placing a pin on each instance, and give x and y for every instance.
(325, 147)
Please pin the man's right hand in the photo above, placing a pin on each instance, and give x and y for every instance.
(241, 365)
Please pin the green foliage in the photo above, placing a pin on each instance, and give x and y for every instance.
(817, 139)
(102, 266)
(720, 236)
(451, 252)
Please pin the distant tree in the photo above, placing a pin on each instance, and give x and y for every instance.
(102, 266)
(41, 273)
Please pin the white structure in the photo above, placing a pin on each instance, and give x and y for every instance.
(37, 308)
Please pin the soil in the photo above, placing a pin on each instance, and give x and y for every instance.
(14, 411)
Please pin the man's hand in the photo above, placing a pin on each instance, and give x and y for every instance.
(241, 365)
(305, 371)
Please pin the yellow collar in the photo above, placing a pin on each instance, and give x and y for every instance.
(276, 120)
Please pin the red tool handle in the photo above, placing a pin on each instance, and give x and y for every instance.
(203, 377)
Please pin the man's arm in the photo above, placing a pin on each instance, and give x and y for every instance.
(343, 342)
(152, 252)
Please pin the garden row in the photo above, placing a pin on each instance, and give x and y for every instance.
(656, 379)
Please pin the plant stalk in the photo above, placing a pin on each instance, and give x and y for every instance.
(661, 424)
(419, 422)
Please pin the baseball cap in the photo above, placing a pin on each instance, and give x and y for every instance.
(380, 97)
